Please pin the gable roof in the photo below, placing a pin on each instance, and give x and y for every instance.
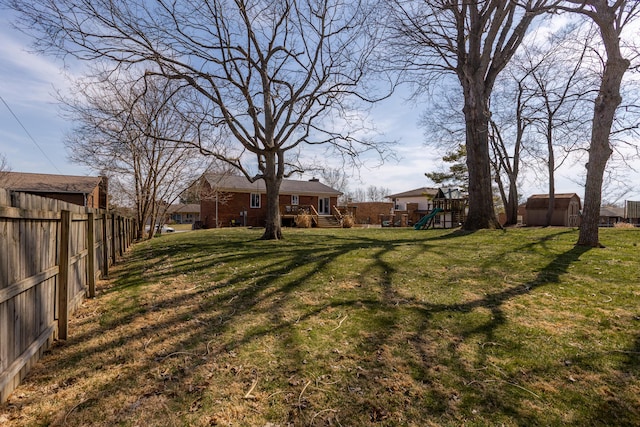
(417, 192)
(612, 211)
(562, 200)
(240, 184)
(46, 183)
(182, 207)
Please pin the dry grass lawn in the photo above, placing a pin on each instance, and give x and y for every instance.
(351, 327)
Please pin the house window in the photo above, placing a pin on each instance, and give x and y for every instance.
(295, 199)
(255, 200)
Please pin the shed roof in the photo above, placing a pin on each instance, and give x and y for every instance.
(561, 200)
(289, 186)
(46, 183)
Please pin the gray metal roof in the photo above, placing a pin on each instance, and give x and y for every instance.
(241, 184)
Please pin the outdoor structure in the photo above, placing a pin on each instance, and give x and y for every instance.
(413, 206)
(610, 215)
(370, 212)
(86, 191)
(632, 212)
(51, 255)
(234, 201)
(566, 211)
(183, 213)
(410, 206)
(453, 203)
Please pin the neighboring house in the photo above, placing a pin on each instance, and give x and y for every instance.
(233, 200)
(610, 215)
(419, 198)
(184, 213)
(566, 211)
(88, 191)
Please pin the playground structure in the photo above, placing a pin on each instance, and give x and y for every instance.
(449, 210)
(427, 220)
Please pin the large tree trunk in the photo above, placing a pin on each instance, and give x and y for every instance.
(481, 210)
(272, 181)
(599, 151)
(511, 208)
(551, 168)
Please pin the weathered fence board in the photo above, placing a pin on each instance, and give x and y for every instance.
(51, 253)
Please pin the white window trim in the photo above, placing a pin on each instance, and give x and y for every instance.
(295, 199)
(252, 206)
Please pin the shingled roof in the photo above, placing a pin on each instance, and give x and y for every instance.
(417, 192)
(46, 183)
(240, 184)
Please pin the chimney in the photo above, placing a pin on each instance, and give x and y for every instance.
(314, 179)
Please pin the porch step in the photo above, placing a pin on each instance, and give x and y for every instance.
(328, 221)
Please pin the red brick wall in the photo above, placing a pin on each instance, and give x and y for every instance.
(369, 212)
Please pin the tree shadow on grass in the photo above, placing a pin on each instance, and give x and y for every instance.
(318, 345)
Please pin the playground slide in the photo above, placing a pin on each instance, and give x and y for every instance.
(425, 219)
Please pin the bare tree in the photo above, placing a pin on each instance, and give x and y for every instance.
(337, 179)
(4, 168)
(357, 195)
(473, 40)
(123, 129)
(377, 194)
(559, 90)
(611, 18)
(274, 71)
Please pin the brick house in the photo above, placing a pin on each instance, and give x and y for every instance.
(183, 213)
(87, 191)
(233, 200)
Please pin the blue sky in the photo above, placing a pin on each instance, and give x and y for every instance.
(29, 82)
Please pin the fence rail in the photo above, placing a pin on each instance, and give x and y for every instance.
(51, 254)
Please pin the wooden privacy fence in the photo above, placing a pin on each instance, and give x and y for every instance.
(51, 254)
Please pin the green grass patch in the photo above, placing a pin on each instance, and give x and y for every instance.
(353, 327)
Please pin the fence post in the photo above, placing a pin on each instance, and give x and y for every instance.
(105, 246)
(91, 260)
(122, 235)
(113, 239)
(63, 275)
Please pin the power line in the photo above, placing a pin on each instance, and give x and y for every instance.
(29, 135)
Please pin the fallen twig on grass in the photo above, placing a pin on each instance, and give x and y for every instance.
(320, 412)
(82, 402)
(302, 392)
(340, 324)
(248, 395)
